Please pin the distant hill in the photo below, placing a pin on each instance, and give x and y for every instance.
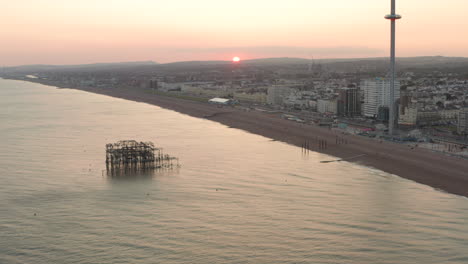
(110, 65)
(195, 63)
(338, 65)
(277, 61)
(405, 61)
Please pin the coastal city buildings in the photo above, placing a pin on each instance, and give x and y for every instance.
(342, 95)
(408, 116)
(327, 106)
(277, 94)
(349, 103)
(407, 110)
(377, 95)
(463, 121)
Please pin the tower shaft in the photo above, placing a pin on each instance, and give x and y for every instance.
(392, 17)
(391, 120)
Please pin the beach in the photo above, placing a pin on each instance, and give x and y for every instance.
(437, 170)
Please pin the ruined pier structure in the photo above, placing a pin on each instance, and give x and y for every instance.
(131, 154)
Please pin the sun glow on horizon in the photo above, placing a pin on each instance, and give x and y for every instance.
(235, 59)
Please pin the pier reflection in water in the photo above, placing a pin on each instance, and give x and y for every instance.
(130, 174)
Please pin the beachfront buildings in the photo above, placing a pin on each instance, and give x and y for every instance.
(408, 116)
(276, 94)
(463, 121)
(377, 95)
(348, 103)
(221, 101)
(327, 106)
(407, 110)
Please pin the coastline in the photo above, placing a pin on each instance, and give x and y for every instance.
(439, 171)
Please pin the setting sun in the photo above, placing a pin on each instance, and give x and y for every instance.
(236, 59)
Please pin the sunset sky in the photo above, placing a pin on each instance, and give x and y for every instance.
(88, 31)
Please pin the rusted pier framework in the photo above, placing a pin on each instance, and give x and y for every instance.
(133, 155)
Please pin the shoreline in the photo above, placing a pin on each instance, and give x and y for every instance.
(439, 171)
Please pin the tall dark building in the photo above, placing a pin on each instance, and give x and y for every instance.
(349, 103)
(153, 84)
(383, 113)
(405, 100)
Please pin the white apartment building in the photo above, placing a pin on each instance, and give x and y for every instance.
(463, 121)
(410, 116)
(376, 94)
(449, 114)
(277, 94)
(327, 106)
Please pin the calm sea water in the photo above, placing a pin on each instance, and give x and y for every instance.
(238, 197)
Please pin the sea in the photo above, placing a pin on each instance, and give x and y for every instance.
(236, 198)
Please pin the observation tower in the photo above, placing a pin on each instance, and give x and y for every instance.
(393, 17)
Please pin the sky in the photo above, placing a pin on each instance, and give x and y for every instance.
(89, 31)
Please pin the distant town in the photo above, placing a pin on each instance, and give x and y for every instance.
(348, 95)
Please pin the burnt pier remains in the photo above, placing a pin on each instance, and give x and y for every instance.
(131, 155)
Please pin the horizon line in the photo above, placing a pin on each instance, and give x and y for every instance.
(227, 61)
